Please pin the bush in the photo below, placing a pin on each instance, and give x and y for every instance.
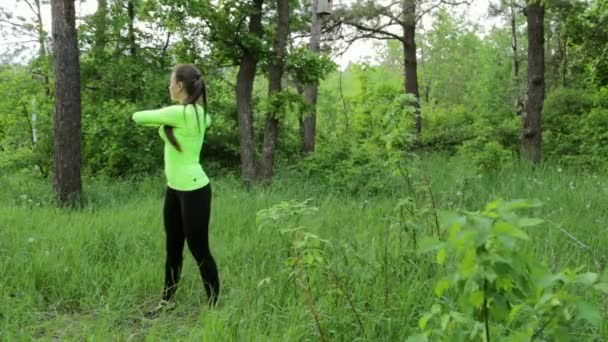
(594, 129)
(486, 155)
(114, 146)
(348, 168)
(575, 123)
(446, 129)
(563, 111)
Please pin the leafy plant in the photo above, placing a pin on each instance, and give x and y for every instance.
(305, 250)
(494, 288)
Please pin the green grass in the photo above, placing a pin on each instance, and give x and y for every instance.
(89, 274)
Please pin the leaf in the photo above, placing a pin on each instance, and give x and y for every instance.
(445, 320)
(429, 244)
(550, 279)
(468, 264)
(515, 311)
(417, 338)
(424, 320)
(441, 255)
(506, 228)
(603, 287)
(442, 285)
(504, 283)
(529, 222)
(523, 204)
(264, 281)
(476, 298)
(589, 312)
(587, 278)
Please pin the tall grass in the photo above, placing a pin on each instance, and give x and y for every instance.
(90, 273)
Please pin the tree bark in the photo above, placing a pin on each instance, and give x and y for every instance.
(531, 139)
(309, 122)
(40, 29)
(410, 58)
(67, 135)
(519, 102)
(244, 91)
(275, 74)
(42, 49)
(100, 28)
(131, 32)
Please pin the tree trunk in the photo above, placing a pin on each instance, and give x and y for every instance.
(531, 134)
(131, 32)
(309, 122)
(301, 91)
(67, 135)
(410, 58)
(100, 28)
(42, 48)
(565, 62)
(244, 91)
(40, 29)
(519, 102)
(275, 74)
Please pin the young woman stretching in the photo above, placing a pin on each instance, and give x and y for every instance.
(187, 204)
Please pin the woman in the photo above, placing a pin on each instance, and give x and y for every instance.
(187, 204)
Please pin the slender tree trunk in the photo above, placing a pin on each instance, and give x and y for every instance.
(67, 135)
(42, 49)
(531, 133)
(519, 102)
(163, 53)
(426, 84)
(301, 91)
(100, 28)
(275, 74)
(565, 62)
(410, 58)
(244, 93)
(131, 33)
(551, 64)
(40, 29)
(310, 119)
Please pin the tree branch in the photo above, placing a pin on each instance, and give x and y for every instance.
(32, 8)
(441, 2)
(377, 30)
(20, 42)
(21, 26)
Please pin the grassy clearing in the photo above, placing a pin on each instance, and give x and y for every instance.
(91, 273)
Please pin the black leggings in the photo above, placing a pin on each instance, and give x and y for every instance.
(186, 215)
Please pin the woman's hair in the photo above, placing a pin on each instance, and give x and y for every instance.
(194, 86)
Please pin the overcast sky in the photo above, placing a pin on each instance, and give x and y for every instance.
(476, 12)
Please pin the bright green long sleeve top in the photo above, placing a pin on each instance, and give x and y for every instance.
(183, 169)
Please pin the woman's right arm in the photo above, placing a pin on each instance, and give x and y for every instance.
(167, 116)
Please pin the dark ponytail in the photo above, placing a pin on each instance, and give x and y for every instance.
(195, 87)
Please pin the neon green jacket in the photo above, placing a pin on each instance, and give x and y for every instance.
(182, 169)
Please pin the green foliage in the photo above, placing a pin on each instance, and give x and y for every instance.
(115, 146)
(493, 143)
(446, 128)
(107, 273)
(348, 168)
(305, 248)
(594, 147)
(308, 67)
(486, 155)
(501, 290)
(356, 144)
(574, 127)
(585, 25)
